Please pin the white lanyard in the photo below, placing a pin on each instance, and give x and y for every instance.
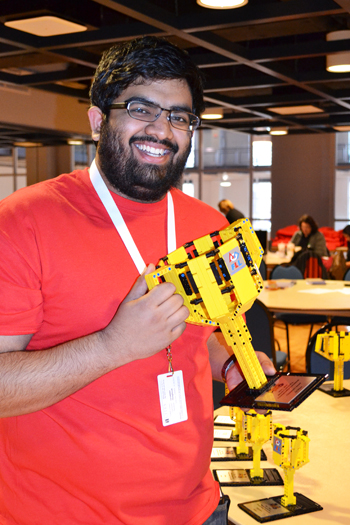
(118, 221)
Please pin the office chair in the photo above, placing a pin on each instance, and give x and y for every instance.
(260, 325)
(286, 272)
(218, 393)
(316, 363)
(347, 275)
(263, 271)
(292, 272)
(339, 320)
(311, 265)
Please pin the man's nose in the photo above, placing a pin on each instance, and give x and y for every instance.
(161, 127)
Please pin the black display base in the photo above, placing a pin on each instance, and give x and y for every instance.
(328, 389)
(242, 478)
(283, 391)
(271, 509)
(230, 454)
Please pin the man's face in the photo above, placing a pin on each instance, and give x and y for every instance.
(143, 160)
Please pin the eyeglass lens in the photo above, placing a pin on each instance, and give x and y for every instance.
(150, 113)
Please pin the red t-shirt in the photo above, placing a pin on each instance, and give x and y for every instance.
(102, 455)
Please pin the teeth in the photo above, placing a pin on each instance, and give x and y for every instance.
(157, 152)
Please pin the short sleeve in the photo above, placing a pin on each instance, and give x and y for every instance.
(21, 302)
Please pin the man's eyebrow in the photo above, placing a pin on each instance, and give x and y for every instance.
(145, 100)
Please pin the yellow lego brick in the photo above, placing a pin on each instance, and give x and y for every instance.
(177, 256)
(208, 288)
(204, 244)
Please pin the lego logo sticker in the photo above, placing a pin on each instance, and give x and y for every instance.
(233, 257)
(277, 445)
(234, 261)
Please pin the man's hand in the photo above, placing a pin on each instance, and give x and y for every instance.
(235, 376)
(146, 322)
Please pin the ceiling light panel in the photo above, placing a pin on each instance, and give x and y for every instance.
(296, 110)
(222, 4)
(46, 26)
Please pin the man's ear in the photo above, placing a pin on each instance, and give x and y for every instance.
(95, 117)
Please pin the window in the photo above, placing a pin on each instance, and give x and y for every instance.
(13, 171)
(342, 199)
(262, 152)
(261, 205)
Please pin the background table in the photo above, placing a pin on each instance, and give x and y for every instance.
(332, 298)
(273, 259)
(325, 480)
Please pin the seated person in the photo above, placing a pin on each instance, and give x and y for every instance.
(346, 233)
(309, 238)
(227, 208)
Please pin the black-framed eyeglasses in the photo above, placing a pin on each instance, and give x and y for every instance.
(148, 112)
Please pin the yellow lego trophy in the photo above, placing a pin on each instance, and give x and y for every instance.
(291, 452)
(258, 430)
(335, 347)
(218, 277)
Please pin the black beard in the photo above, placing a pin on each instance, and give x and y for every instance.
(142, 182)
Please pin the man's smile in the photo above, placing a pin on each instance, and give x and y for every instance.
(152, 150)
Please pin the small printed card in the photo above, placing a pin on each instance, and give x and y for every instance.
(224, 420)
(223, 453)
(232, 476)
(223, 433)
(172, 398)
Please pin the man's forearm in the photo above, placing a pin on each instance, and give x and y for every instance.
(33, 380)
(219, 352)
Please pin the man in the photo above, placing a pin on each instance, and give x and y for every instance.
(85, 437)
(231, 213)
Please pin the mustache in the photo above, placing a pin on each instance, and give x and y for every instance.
(165, 142)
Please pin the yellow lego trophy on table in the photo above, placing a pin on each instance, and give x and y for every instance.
(291, 452)
(335, 347)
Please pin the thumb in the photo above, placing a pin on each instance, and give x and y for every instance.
(140, 286)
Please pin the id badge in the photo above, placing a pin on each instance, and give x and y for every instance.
(172, 398)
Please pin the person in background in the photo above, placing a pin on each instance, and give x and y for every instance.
(308, 237)
(87, 432)
(227, 208)
(346, 233)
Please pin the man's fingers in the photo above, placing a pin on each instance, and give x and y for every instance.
(266, 364)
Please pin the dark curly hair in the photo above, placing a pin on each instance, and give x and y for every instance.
(150, 58)
(310, 221)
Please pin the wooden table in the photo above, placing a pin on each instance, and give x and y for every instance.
(331, 298)
(325, 479)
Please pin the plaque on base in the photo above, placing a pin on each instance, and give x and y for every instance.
(230, 454)
(242, 478)
(270, 509)
(329, 389)
(283, 391)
